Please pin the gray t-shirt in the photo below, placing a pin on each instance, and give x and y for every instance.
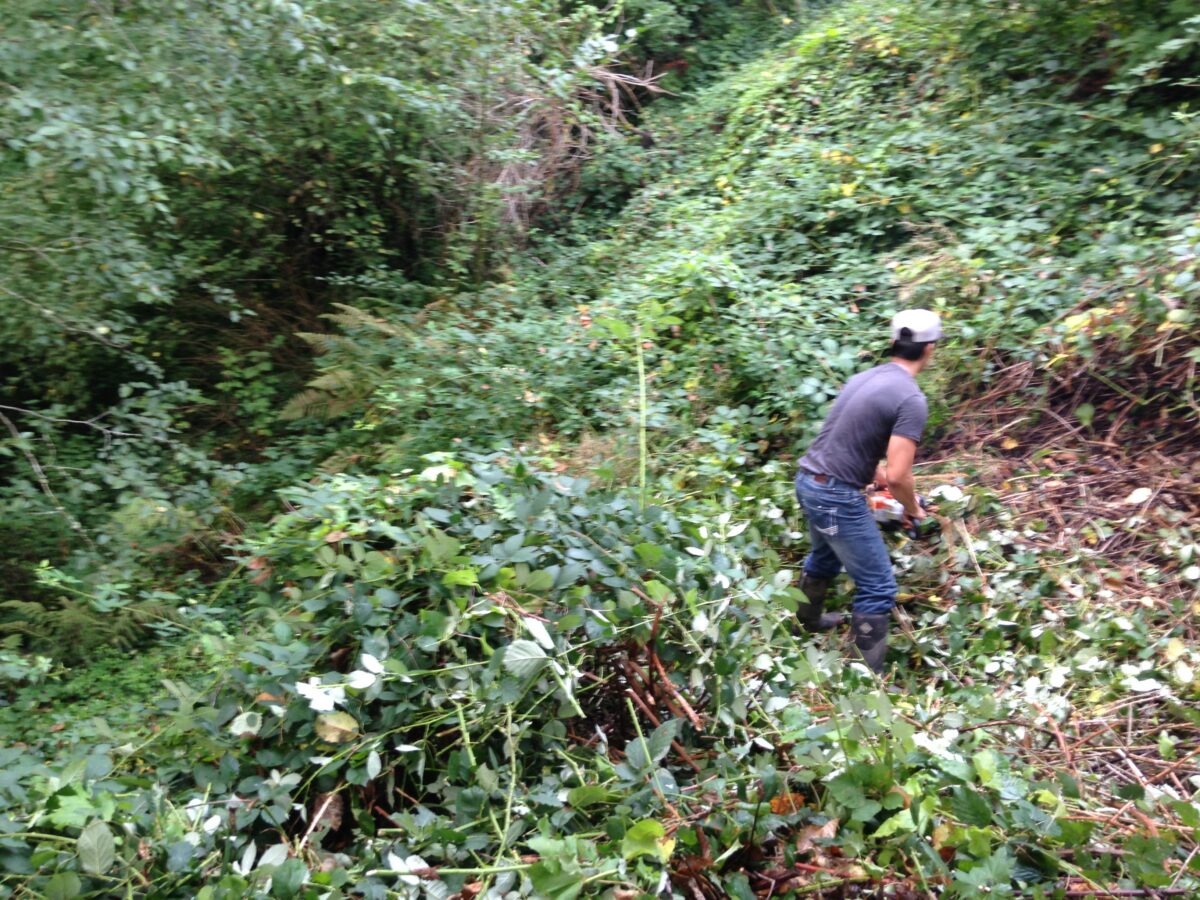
(873, 406)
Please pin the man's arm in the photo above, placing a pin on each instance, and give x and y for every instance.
(900, 454)
(881, 479)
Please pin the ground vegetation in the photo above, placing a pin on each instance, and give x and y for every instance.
(399, 411)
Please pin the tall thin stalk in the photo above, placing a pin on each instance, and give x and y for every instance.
(641, 364)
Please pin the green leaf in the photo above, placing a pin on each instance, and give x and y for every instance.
(72, 810)
(641, 755)
(901, 823)
(287, 879)
(96, 849)
(1085, 412)
(971, 808)
(660, 739)
(589, 795)
(647, 838)
(1189, 813)
(539, 582)
(1131, 792)
(62, 886)
(524, 658)
(658, 591)
(539, 632)
(486, 778)
(865, 811)
(439, 546)
(847, 790)
(615, 327)
(985, 764)
(464, 577)
(556, 879)
(650, 554)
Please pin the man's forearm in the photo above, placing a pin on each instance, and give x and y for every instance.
(904, 489)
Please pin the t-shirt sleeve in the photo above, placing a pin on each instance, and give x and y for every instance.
(910, 420)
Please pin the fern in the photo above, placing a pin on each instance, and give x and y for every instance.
(354, 370)
(351, 317)
(72, 630)
(333, 393)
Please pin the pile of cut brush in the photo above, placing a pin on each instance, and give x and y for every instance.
(486, 677)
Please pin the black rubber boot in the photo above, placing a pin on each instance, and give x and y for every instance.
(870, 637)
(810, 615)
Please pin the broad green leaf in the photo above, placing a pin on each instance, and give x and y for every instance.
(524, 658)
(556, 879)
(275, 855)
(658, 591)
(486, 778)
(660, 739)
(647, 838)
(287, 879)
(96, 848)
(464, 577)
(440, 546)
(1189, 813)
(650, 554)
(62, 886)
(74, 809)
(539, 582)
(970, 807)
(589, 795)
(865, 811)
(615, 327)
(985, 764)
(900, 823)
(538, 631)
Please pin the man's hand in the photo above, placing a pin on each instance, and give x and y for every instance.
(881, 479)
(910, 522)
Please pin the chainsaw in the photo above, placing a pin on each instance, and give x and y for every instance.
(889, 515)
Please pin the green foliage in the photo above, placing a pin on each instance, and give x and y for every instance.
(410, 145)
(781, 242)
(439, 628)
(423, 646)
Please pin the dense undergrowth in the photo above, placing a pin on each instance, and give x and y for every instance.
(519, 622)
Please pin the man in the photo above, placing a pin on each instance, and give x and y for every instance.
(880, 412)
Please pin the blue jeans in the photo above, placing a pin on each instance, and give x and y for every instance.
(844, 535)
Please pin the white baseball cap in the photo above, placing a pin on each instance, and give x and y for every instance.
(916, 325)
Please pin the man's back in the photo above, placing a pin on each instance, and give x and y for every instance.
(872, 406)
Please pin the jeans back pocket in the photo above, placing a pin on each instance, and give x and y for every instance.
(825, 520)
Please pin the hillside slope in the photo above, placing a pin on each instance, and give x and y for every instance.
(527, 632)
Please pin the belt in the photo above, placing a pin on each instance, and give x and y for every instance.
(822, 478)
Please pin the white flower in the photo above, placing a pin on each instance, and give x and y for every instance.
(372, 664)
(320, 698)
(360, 680)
